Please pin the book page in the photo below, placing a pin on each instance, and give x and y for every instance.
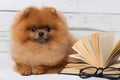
(95, 39)
(75, 60)
(114, 58)
(73, 68)
(113, 53)
(76, 57)
(106, 42)
(88, 43)
(80, 48)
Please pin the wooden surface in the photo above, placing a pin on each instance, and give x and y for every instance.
(81, 15)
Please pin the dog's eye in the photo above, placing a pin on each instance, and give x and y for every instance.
(33, 29)
(47, 28)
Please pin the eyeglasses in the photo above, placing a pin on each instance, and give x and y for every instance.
(108, 72)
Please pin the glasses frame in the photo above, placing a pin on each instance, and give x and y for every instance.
(95, 74)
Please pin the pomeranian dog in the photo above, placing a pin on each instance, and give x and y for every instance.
(41, 41)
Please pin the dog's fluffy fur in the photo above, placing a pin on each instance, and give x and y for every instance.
(40, 40)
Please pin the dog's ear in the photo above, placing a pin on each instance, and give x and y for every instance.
(52, 11)
(27, 12)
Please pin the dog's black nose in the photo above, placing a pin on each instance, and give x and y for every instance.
(41, 34)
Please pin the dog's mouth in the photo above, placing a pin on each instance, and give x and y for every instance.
(41, 39)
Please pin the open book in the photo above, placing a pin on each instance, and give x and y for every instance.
(99, 50)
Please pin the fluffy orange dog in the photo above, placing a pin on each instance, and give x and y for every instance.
(40, 41)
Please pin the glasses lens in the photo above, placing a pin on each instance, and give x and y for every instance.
(111, 72)
(87, 72)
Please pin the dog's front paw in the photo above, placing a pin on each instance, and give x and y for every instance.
(39, 69)
(23, 70)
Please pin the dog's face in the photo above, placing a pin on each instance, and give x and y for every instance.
(40, 33)
(40, 25)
